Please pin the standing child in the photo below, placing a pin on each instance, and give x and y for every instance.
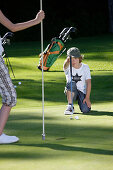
(81, 82)
(7, 89)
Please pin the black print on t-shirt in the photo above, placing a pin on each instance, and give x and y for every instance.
(76, 78)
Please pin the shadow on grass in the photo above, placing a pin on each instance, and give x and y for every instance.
(56, 147)
(61, 147)
(99, 113)
(23, 117)
(21, 155)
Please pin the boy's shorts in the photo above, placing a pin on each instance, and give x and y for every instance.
(78, 95)
(7, 90)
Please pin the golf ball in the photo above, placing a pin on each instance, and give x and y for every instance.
(76, 117)
(71, 117)
(15, 87)
(19, 83)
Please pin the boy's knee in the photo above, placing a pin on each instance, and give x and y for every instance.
(68, 86)
(85, 109)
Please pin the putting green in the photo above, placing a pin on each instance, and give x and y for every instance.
(84, 144)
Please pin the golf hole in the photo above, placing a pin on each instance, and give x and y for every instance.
(62, 138)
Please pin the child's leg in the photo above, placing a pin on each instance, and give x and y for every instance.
(69, 96)
(8, 94)
(68, 91)
(70, 109)
(4, 113)
(83, 107)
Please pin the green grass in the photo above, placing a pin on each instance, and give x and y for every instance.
(84, 144)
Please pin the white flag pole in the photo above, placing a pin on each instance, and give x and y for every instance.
(43, 134)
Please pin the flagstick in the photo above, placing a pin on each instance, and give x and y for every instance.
(43, 134)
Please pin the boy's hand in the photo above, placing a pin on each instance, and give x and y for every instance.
(87, 100)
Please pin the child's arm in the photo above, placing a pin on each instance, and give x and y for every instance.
(88, 91)
(66, 63)
(21, 26)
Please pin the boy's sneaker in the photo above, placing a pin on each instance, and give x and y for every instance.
(69, 111)
(5, 139)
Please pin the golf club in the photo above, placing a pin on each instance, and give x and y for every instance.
(6, 40)
(71, 83)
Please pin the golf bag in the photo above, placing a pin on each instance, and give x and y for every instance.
(55, 49)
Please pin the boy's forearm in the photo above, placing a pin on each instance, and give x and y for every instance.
(88, 89)
(66, 64)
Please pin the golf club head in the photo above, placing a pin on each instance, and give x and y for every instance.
(67, 32)
(63, 32)
(8, 34)
(6, 38)
(72, 29)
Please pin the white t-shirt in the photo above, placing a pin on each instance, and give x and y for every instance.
(79, 76)
(1, 48)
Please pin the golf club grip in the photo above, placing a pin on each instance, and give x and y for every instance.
(71, 65)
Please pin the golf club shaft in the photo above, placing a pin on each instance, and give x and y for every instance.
(71, 81)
